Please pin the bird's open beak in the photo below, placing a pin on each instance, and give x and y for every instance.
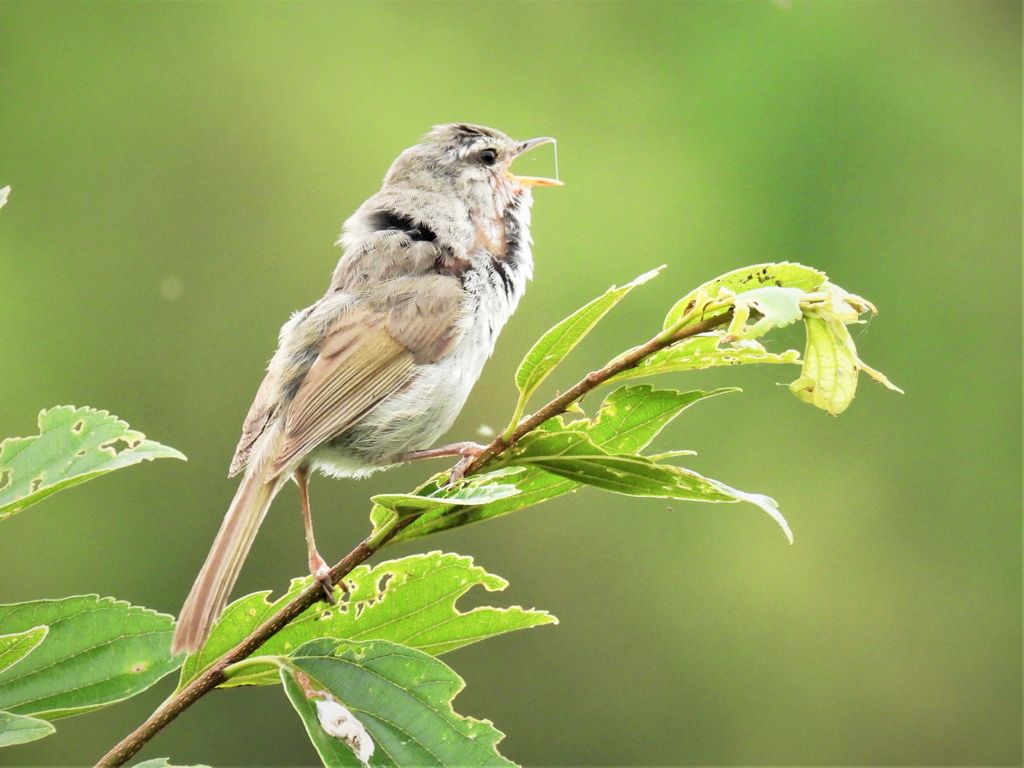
(533, 181)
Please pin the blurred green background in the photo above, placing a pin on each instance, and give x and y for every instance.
(180, 171)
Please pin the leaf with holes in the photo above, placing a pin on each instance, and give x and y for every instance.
(401, 696)
(705, 351)
(628, 420)
(783, 274)
(573, 455)
(411, 601)
(20, 729)
(73, 445)
(98, 651)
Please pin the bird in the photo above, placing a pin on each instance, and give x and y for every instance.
(372, 374)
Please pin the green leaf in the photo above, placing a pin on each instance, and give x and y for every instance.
(403, 698)
(98, 651)
(627, 421)
(783, 274)
(15, 647)
(574, 456)
(163, 762)
(411, 601)
(553, 347)
(73, 445)
(404, 504)
(19, 729)
(704, 351)
(631, 417)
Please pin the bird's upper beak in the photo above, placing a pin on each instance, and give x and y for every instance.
(533, 181)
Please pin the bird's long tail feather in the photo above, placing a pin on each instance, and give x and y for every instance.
(220, 571)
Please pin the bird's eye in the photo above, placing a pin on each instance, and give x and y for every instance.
(487, 156)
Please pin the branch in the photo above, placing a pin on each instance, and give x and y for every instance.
(214, 676)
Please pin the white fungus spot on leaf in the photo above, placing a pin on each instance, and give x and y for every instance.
(339, 722)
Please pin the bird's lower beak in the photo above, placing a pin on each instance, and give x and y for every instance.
(534, 181)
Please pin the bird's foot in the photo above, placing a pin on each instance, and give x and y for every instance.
(469, 452)
(322, 575)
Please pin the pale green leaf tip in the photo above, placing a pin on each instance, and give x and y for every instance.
(3, 195)
(647, 276)
(767, 503)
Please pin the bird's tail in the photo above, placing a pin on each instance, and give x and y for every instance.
(220, 571)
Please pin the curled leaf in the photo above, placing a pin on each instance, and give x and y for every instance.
(831, 365)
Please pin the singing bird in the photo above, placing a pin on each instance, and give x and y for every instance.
(376, 371)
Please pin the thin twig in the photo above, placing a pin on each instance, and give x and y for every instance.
(214, 676)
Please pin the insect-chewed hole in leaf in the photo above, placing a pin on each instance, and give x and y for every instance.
(382, 583)
(5, 478)
(119, 446)
(80, 454)
(34, 485)
(77, 427)
(324, 615)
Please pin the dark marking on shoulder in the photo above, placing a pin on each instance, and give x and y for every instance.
(399, 222)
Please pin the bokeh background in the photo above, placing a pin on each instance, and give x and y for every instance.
(180, 172)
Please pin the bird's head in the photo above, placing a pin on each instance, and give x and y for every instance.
(470, 160)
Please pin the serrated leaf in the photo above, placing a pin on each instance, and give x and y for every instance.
(20, 729)
(73, 445)
(558, 342)
(783, 274)
(627, 421)
(704, 351)
(411, 601)
(15, 647)
(402, 696)
(98, 651)
(574, 456)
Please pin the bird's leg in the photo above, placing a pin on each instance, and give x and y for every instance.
(468, 451)
(317, 565)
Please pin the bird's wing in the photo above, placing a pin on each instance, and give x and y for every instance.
(370, 352)
(261, 413)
